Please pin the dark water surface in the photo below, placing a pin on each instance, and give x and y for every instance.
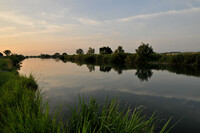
(170, 93)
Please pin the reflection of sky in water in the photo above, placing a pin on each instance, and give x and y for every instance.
(169, 93)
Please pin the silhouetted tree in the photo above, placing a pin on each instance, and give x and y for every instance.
(7, 52)
(64, 54)
(1, 55)
(79, 51)
(119, 50)
(91, 50)
(56, 55)
(105, 50)
(143, 53)
(63, 57)
(45, 56)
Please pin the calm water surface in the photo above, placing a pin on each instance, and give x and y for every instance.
(166, 93)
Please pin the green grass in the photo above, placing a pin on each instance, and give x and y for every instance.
(22, 108)
(5, 64)
(110, 118)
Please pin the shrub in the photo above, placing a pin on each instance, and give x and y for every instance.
(118, 58)
(130, 59)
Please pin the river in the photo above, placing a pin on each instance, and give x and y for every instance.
(166, 92)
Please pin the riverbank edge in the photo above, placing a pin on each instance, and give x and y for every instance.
(180, 59)
(22, 108)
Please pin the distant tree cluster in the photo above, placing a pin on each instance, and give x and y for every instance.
(56, 55)
(102, 50)
(105, 50)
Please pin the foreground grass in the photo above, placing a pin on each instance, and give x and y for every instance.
(109, 118)
(22, 110)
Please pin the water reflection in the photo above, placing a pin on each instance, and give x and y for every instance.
(144, 74)
(91, 68)
(104, 68)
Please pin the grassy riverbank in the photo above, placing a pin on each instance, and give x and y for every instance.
(21, 106)
(22, 109)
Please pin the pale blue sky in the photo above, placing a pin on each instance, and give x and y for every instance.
(49, 26)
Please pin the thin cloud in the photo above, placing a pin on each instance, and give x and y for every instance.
(48, 28)
(14, 18)
(29, 25)
(88, 21)
(7, 29)
(158, 14)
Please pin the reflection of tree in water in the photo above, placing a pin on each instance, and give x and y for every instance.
(64, 61)
(144, 74)
(79, 63)
(91, 68)
(119, 68)
(57, 59)
(105, 68)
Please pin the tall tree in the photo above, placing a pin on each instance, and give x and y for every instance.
(91, 50)
(79, 51)
(143, 52)
(7, 52)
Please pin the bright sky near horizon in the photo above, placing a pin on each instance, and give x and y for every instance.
(31, 27)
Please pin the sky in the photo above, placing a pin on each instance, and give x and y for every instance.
(32, 27)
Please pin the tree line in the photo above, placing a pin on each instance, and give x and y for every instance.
(144, 54)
